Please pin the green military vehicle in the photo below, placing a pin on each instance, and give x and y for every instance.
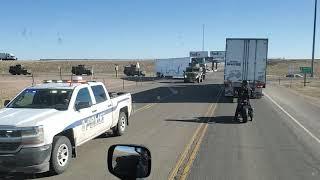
(201, 62)
(80, 70)
(133, 70)
(194, 73)
(18, 70)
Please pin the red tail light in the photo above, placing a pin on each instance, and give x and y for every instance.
(260, 85)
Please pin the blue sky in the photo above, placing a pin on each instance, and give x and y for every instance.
(33, 29)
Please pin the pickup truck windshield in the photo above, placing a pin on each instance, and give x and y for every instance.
(43, 99)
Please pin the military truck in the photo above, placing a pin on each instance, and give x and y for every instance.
(201, 62)
(80, 70)
(194, 73)
(18, 70)
(133, 70)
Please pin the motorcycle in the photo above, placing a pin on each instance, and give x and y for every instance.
(246, 111)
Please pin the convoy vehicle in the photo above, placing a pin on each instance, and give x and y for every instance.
(294, 75)
(80, 70)
(194, 73)
(7, 57)
(246, 59)
(18, 69)
(41, 128)
(133, 70)
(201, 62)
(171, 67)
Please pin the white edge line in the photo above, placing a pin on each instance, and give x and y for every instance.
(294, 119)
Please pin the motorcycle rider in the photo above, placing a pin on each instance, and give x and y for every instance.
(244, 93)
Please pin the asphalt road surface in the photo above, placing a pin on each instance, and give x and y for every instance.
(157, 107)
(166, 116)
(273, 146)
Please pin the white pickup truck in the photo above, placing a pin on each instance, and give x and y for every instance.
(43, 125)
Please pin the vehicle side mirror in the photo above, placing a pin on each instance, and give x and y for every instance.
(6, 102)
(82, 105)
(129, 161)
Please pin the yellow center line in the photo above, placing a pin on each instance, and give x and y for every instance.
(186, 150)
(183, 157)
(196, 149)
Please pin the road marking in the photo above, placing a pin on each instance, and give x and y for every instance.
(183, 157)
(145, 107)
(197, 147)
(174, 92)
(186, 150)
(294, 119)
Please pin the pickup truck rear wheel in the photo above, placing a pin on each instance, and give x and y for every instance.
(122, 124)
(61, 154)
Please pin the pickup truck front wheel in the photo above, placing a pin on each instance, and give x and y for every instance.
(122, 124)
(61, 154)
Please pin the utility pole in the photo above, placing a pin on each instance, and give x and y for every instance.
(314, 35)
(202, 37)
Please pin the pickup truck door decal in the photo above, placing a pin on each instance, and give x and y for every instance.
(95, 119)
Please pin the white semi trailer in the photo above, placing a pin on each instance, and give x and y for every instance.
(171, 67)
(246, 59)
(7, 56)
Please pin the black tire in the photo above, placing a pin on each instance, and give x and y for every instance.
(244, 114)
(121, 126)
(251, 115)
(198, 80)
(61, 145)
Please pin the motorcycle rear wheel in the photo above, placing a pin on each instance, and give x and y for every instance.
(244, 115)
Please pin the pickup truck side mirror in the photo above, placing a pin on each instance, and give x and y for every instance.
(6, 102)
(82, 105)
(129, 161)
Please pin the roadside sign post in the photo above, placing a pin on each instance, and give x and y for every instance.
(60, 72)
(32, 79)
(305, 71)
(122, 83)
(116, 68)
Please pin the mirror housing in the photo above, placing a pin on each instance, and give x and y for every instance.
(6, 102)
(128, 161)
(82, 105)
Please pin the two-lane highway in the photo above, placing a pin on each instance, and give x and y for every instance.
(192, 135)
(270, 147)
(153, 124)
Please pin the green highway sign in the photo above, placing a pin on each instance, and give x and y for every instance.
(306, 70)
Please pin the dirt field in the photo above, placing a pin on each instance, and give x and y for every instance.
(104, 71)
(52, 67)
(44, 70)
(278, 69)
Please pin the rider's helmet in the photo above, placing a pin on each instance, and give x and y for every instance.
(245, 83)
